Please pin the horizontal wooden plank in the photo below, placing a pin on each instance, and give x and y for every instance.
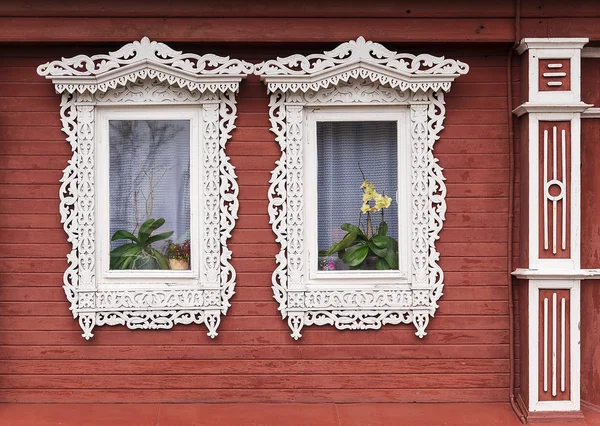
(30, 147)
(556, 8)
(246, 294)
(477, 220)
(248, 278)
(253, 395)
(263, 381)
(20, 162)
(254, 309)
(27, 206)
(25, 236)
(244, 367)
(314, 336)
(30, 177)
(246, 323)
(66, 29)
(274, 352)
(260, 8)
(38, 221)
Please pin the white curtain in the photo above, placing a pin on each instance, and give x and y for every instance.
(150, 176)
(343, 149)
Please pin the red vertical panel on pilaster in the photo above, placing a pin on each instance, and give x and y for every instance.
(524, 195)
(547, 251)
(552, 346)
(524, 339)
(549, 82)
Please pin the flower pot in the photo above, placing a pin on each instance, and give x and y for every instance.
(370, 262)
(179, 264)
(145, 261)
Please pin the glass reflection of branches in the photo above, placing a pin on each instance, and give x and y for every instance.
(149, 175)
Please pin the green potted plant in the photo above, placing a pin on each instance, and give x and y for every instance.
(178, 255)
(139, 253)
(364, 248)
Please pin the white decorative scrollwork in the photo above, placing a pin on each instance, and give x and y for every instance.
(148, 73)
(141, 60)
(361, 60)
(357, 73)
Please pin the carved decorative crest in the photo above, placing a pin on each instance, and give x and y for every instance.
(148, 73)
(145, 59)
(363, 60)
(357, 73)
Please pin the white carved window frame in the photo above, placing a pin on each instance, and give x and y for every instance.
(153, 76)
(366, 75)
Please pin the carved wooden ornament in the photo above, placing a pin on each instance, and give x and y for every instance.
(148, 73)
(358, 73)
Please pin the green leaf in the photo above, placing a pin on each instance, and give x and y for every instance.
(348, 227)
(382, 265)
(158, 237)
(128, 262)
(380, 252)
(162, 261)
(392, 259)
(355, 255)
(346, 242)
(124, 255)
(148, 227)
(383, 229)
(124, 235)
(380, 241)
(144, 229)
(119, 251)
(335, 247)
(392, 244)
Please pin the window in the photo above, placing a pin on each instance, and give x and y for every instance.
(357, 107)
(147, 208)
(356, 159)
(149, 198)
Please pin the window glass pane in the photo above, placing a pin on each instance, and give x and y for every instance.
(149, 180)
(344, 148)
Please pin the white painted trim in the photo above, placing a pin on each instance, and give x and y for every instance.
(553, 48)
(590, 52)
(363, 279)
(551, 43)
(529, 107)
(150, 77)
(591, 113)
(107, 279)
(572, 192)
(366, 74)
(556, 274)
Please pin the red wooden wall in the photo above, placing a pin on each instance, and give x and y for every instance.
(590, 235)
(43, 357)
(464, 357)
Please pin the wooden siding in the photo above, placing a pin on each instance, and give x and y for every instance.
(287, 21)
(43, 357)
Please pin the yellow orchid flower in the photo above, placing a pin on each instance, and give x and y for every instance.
(365, 208)
(382, 202)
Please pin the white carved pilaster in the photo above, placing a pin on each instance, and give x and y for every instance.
(552, 112)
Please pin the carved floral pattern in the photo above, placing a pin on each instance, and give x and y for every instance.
(358, 73)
